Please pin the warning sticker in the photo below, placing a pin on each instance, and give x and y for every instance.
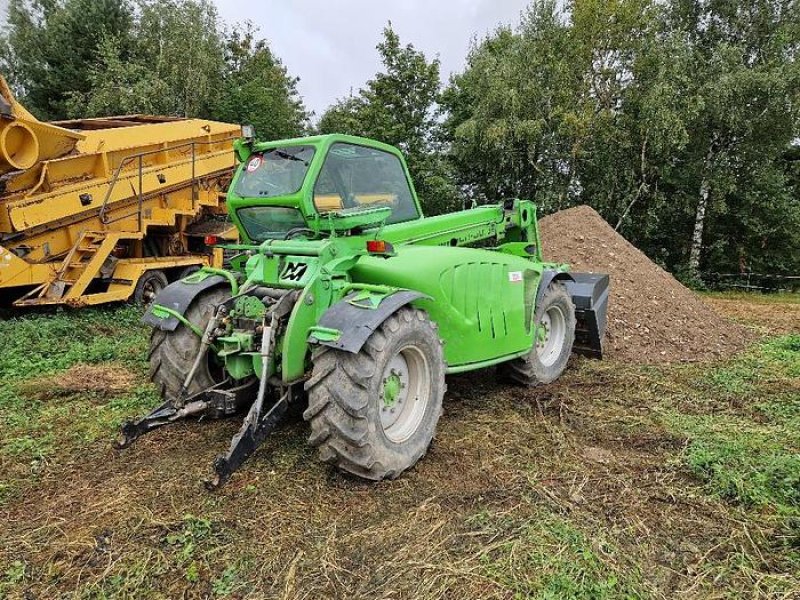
(254, 163)
(515, 276)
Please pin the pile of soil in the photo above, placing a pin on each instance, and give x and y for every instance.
(651, 316)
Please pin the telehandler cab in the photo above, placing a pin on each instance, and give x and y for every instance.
(342, 295)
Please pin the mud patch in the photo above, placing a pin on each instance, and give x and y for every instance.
(97, 381)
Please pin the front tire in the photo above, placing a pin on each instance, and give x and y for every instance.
(555, 334)
(172, 353)
(374, 414)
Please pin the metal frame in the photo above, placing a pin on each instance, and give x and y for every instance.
(140, 158)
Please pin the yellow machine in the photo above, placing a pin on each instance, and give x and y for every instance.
(98, 210)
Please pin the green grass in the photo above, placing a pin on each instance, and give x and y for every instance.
(776, 298)
(35, 429)
(743, 432)
(38, 344)
(189, 547)
(748, 449)
(547, 557)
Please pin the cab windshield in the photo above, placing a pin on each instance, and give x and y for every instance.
(274, 172)
(269, 222)
(356, 176)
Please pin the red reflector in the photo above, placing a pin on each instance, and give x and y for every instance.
(376, 246)
(211, 240)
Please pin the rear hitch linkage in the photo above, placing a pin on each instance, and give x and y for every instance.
(219, 401)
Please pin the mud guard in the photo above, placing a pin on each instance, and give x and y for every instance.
(548, 276)
(177, 297)
(589, 293)
(356, 322)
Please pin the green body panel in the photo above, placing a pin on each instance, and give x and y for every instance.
(482, 299)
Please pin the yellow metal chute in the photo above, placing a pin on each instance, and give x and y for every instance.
(24, 140)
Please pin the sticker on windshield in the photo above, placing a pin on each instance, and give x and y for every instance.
(254, 163)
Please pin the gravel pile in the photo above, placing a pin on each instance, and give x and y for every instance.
(651, 316)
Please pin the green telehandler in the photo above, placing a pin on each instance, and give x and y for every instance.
(344, 300)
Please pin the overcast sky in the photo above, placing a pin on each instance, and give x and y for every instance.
(330, 44)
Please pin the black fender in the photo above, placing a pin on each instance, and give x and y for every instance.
(548, 277)
(178, 296)
(357, 322)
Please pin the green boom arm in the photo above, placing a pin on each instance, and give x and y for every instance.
(514, 222)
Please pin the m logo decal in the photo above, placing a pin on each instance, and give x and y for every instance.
(294, 271)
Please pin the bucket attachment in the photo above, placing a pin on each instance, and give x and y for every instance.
(589, 293)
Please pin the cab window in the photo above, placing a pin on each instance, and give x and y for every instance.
(274, 172)
(354, 176)
(269, 222)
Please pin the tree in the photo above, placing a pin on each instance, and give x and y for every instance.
(510, 109)
(50, 45)
(346, 115)
(748, 95)
(120, 85)
(658, 114)
(167, 57)
(181, 41)
(257, 89)
(175, 66)
(399, 106)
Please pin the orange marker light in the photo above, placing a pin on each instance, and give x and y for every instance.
(376, 246)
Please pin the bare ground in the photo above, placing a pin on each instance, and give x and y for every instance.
(575, 483)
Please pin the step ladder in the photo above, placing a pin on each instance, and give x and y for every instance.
(86, 260)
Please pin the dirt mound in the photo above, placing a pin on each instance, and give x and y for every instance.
(651, 316)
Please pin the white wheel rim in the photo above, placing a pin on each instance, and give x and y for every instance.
(550, 340)
(404, 394)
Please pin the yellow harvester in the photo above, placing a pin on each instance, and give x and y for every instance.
(97, 210)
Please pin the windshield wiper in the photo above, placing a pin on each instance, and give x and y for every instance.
(287, 156)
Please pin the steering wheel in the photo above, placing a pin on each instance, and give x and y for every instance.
(297, 230)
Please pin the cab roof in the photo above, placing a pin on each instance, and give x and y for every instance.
(326, 140)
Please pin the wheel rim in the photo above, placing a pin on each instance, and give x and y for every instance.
(405, 393)
(551, 336)
(150, 290)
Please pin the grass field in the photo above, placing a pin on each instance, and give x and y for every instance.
(618, 481)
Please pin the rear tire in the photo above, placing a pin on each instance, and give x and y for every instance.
(172, 353)
(548, 358)
(374, 414)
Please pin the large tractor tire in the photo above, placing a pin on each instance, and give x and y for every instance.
(172, 353)
(555, 324)
(374, 414)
